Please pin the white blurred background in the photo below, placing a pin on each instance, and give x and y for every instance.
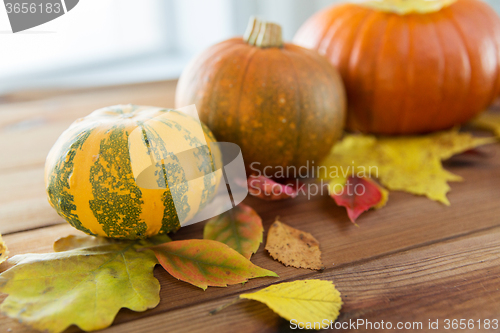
(106, 42)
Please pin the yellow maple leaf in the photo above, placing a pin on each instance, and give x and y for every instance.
(306, 301)
(489, 122)
(411, 164)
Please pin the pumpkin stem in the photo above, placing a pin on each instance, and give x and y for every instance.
(263, 34)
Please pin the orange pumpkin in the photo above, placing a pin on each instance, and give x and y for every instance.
(283, 104)
(410, 66)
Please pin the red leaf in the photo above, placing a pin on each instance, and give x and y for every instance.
(204, 263)
(267, 189)
(240, 228)
(358, 195)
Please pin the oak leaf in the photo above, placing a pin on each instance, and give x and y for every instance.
(204, 263)
(306, 301)
(240, 228)
(357, 195)
(85, 284)
(411, 164)
(293, 247)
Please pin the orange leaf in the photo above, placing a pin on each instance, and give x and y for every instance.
(293, 247)
(240, 228)
(204, 263)
(358, 195)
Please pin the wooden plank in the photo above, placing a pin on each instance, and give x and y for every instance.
(29, 129)
(365, 280)
(23, 201)
(455, 279)
(42, 94)
(320, 214)
(408, 223)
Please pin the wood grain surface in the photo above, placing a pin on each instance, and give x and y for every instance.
(413, 261)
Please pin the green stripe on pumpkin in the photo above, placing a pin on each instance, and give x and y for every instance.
(117, 199)
(59, 197)
(171, 215)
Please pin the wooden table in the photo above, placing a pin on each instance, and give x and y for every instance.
(413, 261)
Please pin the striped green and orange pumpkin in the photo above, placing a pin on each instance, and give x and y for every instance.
(90, 171)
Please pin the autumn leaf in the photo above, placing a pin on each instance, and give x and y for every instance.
(357, 195)
(411, 164)
(267, 189)
(84, 284)
(306, 301)
(293, 247)
(239, 228)
(488, 121)
(204, 263)
(4, 252)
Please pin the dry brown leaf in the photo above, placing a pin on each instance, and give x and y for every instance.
(293, 247)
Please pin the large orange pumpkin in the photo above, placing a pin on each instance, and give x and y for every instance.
(410, 66)
(283, 104)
